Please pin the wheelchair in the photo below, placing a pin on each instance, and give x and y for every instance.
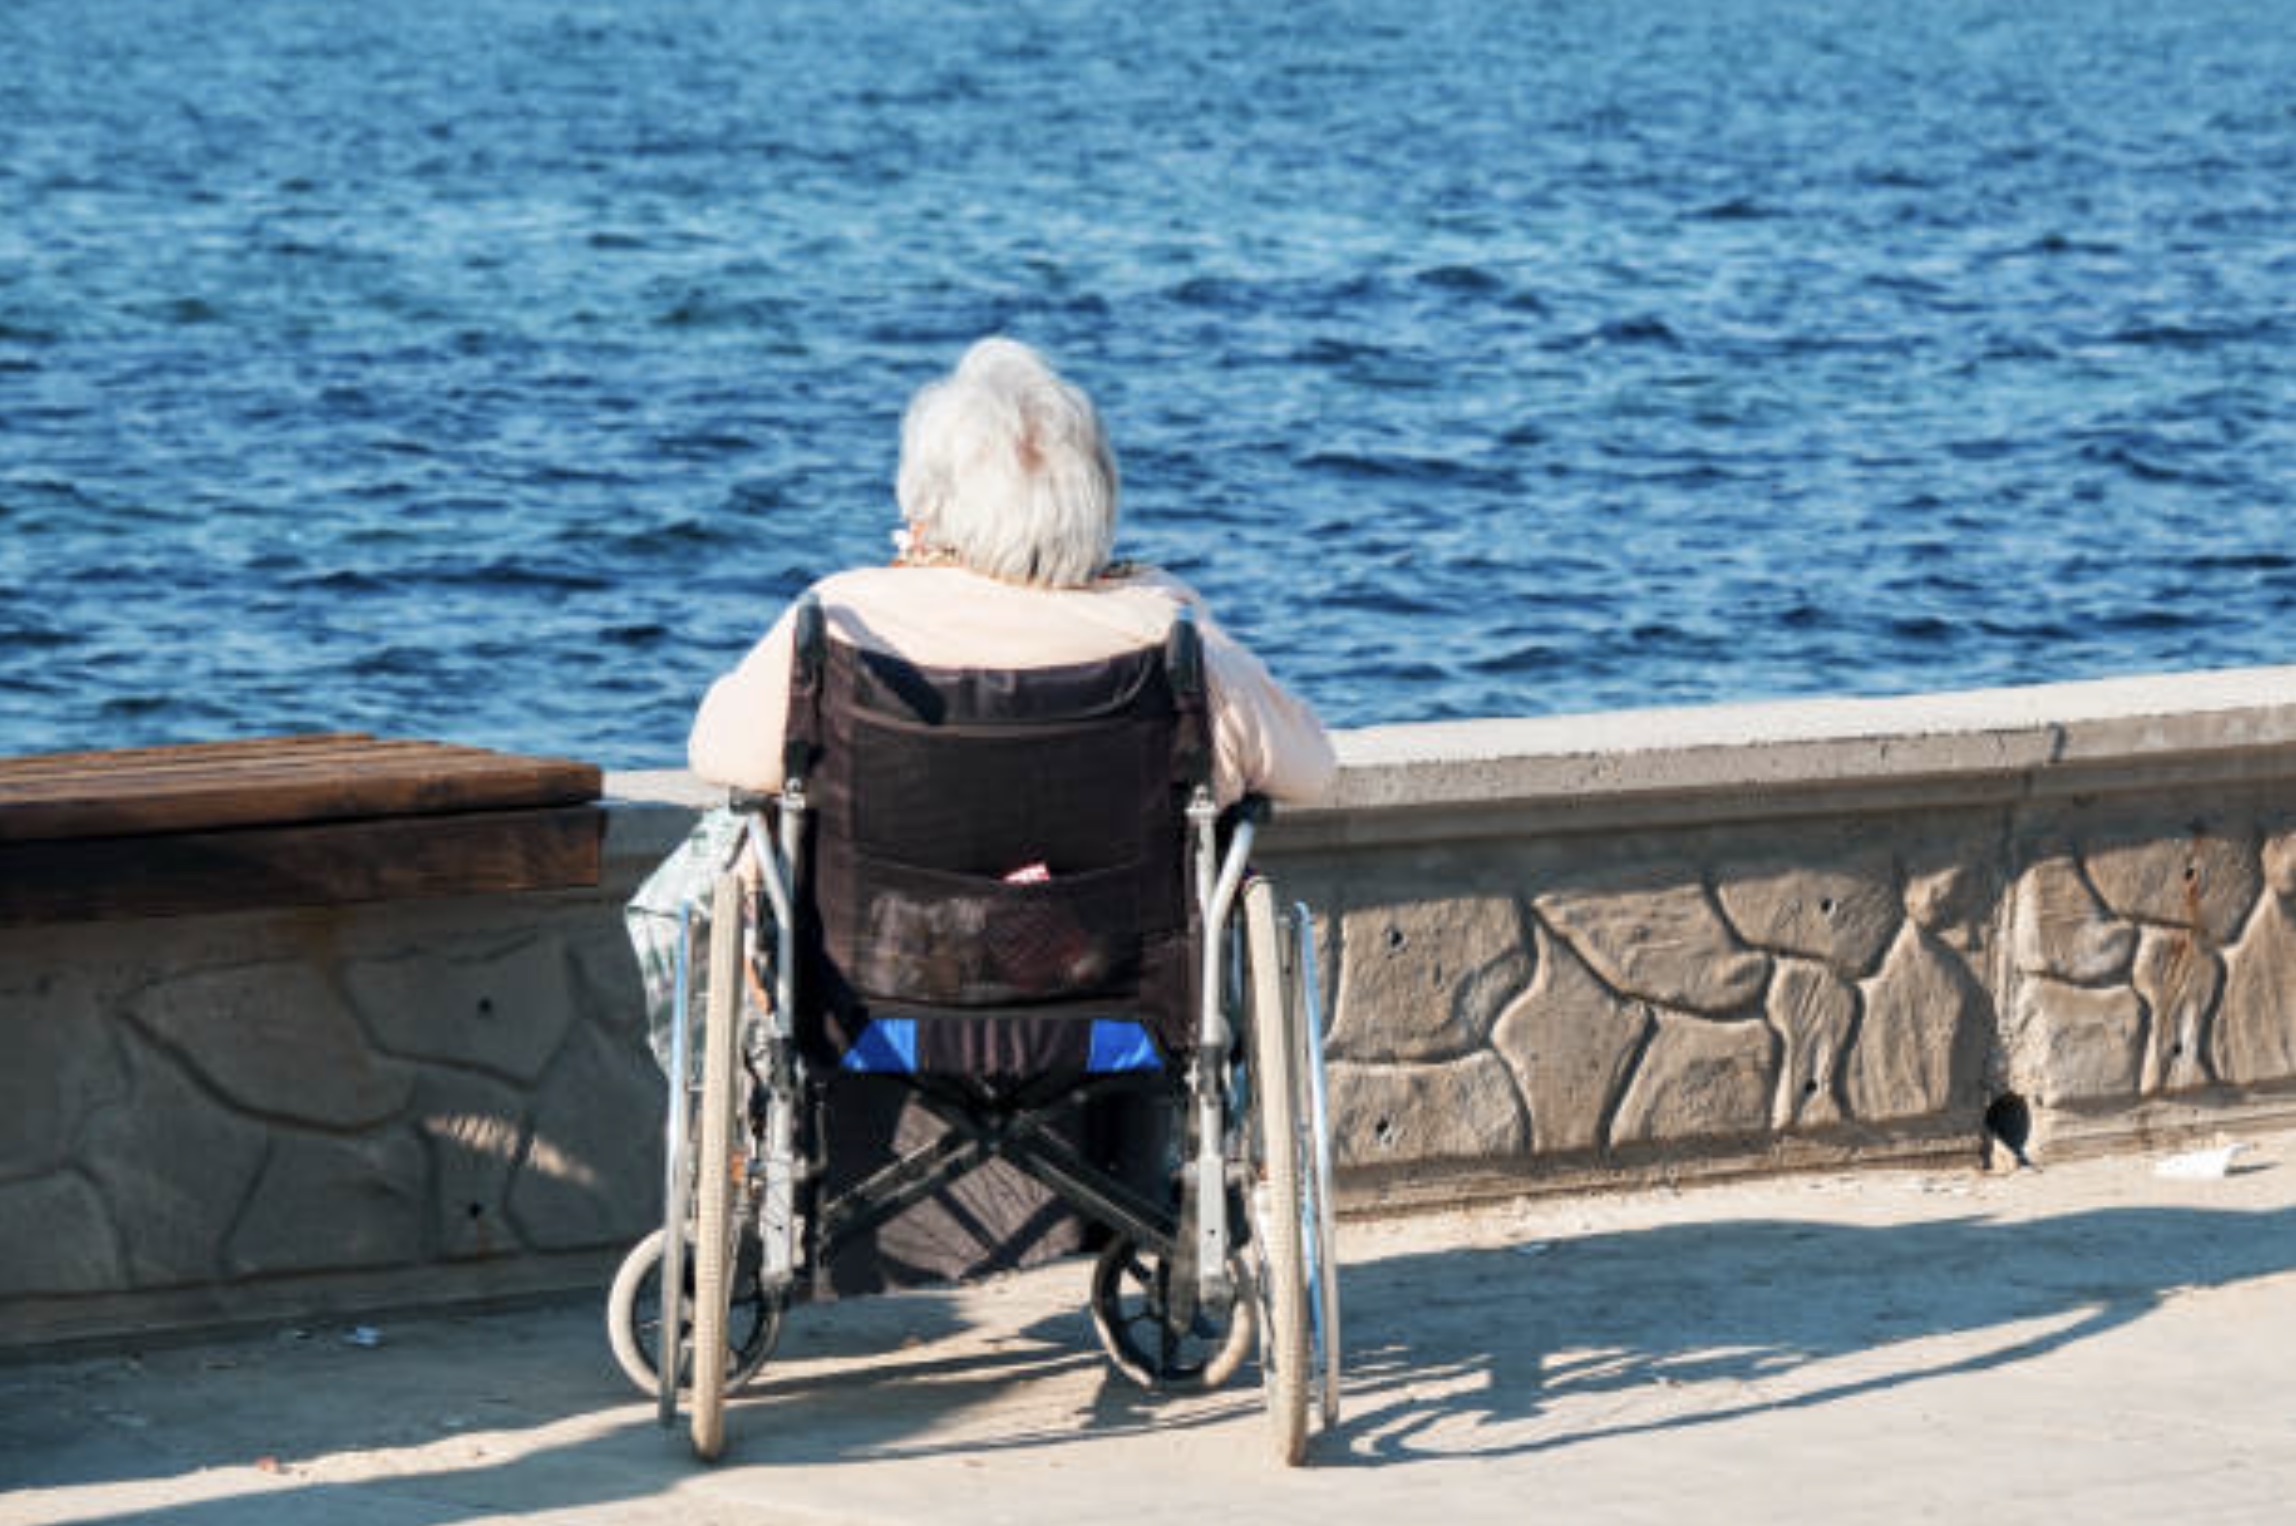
(994, 925)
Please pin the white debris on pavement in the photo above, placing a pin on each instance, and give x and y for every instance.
(2200, 1165)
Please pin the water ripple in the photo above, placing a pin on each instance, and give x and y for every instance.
(496, 371)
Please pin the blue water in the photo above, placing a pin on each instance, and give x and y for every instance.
(494, 371)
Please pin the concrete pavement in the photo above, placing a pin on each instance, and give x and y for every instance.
(2092, 1343)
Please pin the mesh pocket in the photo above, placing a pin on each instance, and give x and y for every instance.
(961, 941)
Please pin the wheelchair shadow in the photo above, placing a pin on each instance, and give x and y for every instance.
(1519, 1349)
(1045, 1383)
(1484, 1352)
(1522, 1349)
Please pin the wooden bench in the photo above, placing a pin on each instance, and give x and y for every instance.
(286, 821)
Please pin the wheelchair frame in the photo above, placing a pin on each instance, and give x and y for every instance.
(759, 1222)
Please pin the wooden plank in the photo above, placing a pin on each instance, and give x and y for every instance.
(253, 774)
(166, 763)
(317, 864)
(187, 751)
(290, 795)
(248, 791)
(256, 776)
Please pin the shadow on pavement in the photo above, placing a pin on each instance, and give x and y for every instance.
(1804, 1313)
(1487, 1351)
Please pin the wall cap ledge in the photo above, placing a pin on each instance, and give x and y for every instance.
(1472, 778)
(2010, 738)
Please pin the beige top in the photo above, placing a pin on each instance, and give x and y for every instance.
(1263, 739)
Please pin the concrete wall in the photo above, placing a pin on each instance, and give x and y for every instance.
(1748, 937)
(1560, 952)
(260, 1115)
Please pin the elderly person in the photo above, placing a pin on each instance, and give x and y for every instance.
(1009, 490)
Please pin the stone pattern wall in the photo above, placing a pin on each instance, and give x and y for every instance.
(1520, 1009)
(2152, 959)
(251, 1116)
(442, 1096)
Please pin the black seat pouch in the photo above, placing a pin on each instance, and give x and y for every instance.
(998, 847)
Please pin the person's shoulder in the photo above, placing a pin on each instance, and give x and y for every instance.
(852, 602)
(862, 581)
(862, 590)
(1145, 580)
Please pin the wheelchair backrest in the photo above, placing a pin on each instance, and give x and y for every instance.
(1001, 851)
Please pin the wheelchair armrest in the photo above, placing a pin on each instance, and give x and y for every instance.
(751, 802)
(1255, 809)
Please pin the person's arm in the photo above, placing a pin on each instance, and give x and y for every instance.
(736, 740)
(1264, 739)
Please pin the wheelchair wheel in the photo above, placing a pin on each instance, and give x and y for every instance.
(634, 1318)
(715, 1168)
(1321, 1216)
(1276, 1202)
(1128, 1303)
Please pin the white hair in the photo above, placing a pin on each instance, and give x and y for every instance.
(1004, 466)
